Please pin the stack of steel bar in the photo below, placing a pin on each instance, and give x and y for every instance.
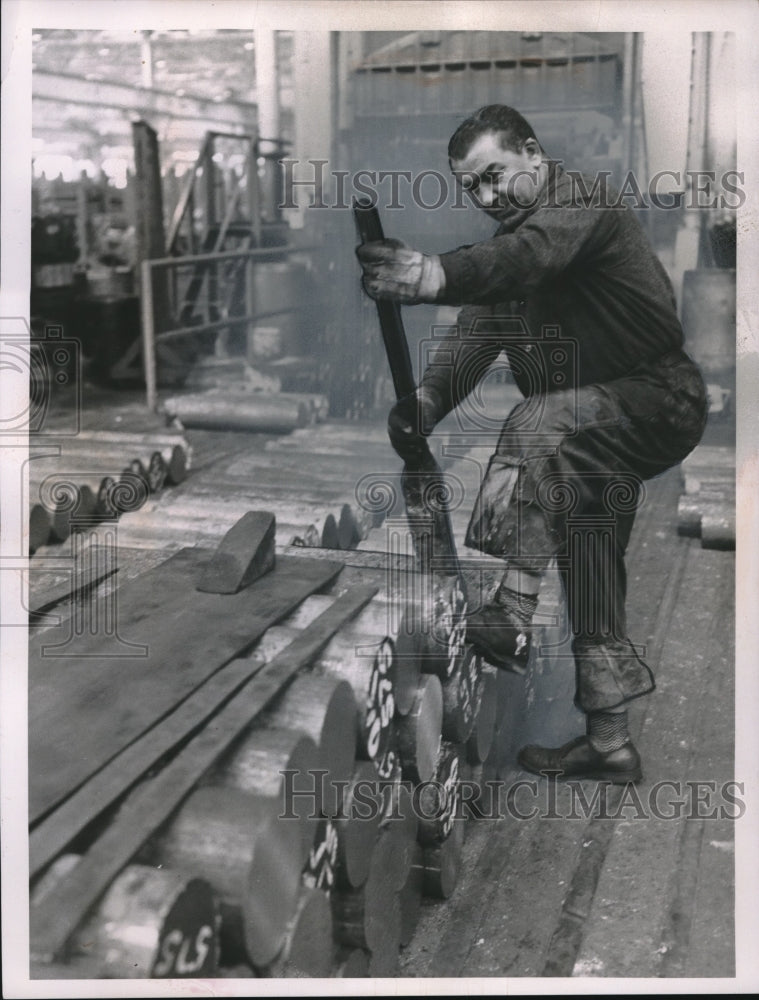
(98, 475)
(328, 485)
(231, 408)
(706, 508)
(264, 782)
(467, 460)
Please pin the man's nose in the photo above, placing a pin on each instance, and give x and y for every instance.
(486, 195)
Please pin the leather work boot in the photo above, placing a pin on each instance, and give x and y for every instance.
(579, 759)
(500, 638)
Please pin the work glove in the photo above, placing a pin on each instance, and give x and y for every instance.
(411, 420)
(394, 271)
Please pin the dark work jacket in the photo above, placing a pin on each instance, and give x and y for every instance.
(577, 263)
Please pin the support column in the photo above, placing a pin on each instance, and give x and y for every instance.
(146, 57)
(313, 65)
(267, 97)
(688, 243)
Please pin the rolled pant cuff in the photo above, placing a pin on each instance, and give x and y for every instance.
(608, 674)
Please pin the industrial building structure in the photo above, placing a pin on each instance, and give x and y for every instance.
(196, 303)
(384, 107)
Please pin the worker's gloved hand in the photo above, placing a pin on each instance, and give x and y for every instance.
(411, 420)
(394, 271)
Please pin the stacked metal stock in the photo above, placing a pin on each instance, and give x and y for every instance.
(98, 476)
(310, 828)
(706, 508)
(312, 479)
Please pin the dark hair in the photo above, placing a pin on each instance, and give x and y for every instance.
(513, 130)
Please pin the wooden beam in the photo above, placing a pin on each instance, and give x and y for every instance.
(118, 777)
(140, 689)
(48, 588)
(151, 803)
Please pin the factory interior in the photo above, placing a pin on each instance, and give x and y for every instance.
(220, 559)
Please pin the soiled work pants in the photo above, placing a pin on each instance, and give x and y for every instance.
(566, 480)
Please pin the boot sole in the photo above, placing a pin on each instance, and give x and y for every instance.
(614, 777)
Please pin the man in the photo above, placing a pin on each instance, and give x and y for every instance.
(567, 255)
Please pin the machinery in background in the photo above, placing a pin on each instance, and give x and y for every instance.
(89, 239)
(82, 243)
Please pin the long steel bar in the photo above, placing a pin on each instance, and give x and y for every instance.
(203, 258)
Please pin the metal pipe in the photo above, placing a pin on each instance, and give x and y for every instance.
(250, 302)
(81, 218)
(217, 324)
(204, 258)
(186, 195)
(147, 306)
(148, 334)
(254, 193)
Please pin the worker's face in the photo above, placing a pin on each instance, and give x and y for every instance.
(500, 181)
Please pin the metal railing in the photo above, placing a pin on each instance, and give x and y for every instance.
(183, 211)
(152, 339)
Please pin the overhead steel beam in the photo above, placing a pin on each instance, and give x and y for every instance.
(185, 134)
(71, 89)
